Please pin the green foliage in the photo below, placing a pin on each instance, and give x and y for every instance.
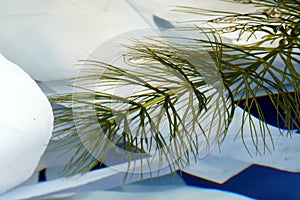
(179, 88)
(269, 66)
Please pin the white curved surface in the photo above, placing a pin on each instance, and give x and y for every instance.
(93, 185)
(26, 123)
(46, 38)
(174, 194)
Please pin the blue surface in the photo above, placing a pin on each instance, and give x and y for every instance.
(257, 182)
(271, 115)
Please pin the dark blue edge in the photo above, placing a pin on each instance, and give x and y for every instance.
(271, 115)
(257, 182)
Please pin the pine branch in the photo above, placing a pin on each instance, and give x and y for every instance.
(185, 94)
